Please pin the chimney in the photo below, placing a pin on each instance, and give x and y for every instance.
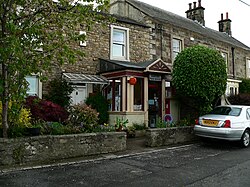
(196, 13)
(225, 25)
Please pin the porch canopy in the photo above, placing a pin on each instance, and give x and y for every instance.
(151, 66)
(76, 78)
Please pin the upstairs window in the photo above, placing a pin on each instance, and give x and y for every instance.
(248, 68)
(119, 43)
(176, 47)
(225, 56)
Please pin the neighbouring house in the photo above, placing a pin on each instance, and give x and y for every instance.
(130, 60)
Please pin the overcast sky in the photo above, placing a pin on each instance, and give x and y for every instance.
(238, 12)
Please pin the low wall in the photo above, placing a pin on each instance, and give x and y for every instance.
(45, 149)
(167, 136)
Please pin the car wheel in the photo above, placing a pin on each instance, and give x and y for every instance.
(245, 139)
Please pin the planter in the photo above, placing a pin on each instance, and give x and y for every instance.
(169, 136)
(48, 149)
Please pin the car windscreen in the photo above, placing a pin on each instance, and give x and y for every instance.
(230, 111)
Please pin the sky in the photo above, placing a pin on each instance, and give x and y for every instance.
(238, 12)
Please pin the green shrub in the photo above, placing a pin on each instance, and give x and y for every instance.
(139, 126)
(200, 73)
(160, 123)
(59, 92)
(82, 115)
(100, 103)
(244, 86)
(240, 99)
(18, 115)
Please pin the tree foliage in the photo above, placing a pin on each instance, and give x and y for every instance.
(99, 102)
(59, 92)
(200, 73)
(36, 33)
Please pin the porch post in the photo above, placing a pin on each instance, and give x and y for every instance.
(146, 100)
(163, 97)
(124, 94)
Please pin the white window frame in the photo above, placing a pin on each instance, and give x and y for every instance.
(180, 47)
(125, 57)
(83, 43)
(248, 68)
(38, 86)
(225, 56)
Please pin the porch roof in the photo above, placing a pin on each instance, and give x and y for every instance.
(146, 66)
(78, 78)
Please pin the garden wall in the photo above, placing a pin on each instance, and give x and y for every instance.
(45, 149)
(167, 136)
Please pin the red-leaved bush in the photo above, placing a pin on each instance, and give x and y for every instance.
(45, 110)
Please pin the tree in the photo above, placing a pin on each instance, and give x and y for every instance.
(36, 34)
(199, 73)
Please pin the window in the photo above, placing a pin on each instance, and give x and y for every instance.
(113, 95)
(225, 56)
(248, 68)
(177, 47)
(83, 43)
(231, 90)
(138, 95)
(119, 43)
(33, 87)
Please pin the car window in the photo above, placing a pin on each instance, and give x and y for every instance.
(231, 111)
(248, 113)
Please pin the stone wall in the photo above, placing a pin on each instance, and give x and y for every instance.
(45, 149)
(169, 136)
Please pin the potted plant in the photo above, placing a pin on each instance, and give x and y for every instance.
(120, 124)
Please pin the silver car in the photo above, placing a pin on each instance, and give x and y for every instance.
(230, 122)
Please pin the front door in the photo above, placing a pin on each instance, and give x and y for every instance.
(78, 95)
(154, 102)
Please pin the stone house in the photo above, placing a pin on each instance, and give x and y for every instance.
(169, 34)
(131, 59)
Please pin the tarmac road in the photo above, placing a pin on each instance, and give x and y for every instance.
(213, 164)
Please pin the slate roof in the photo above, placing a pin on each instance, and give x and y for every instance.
(179, 21)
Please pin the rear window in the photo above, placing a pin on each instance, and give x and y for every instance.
(230, 111)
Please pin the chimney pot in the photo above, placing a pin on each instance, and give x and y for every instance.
(194, 4)
(221, 17)
(199, 1)
(190, 6)
(227, 15)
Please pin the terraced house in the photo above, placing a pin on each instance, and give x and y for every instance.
(132, 59)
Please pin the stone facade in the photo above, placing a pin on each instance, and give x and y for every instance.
(46, 149)
(98, 46)
(190, 31)
(162, 33)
